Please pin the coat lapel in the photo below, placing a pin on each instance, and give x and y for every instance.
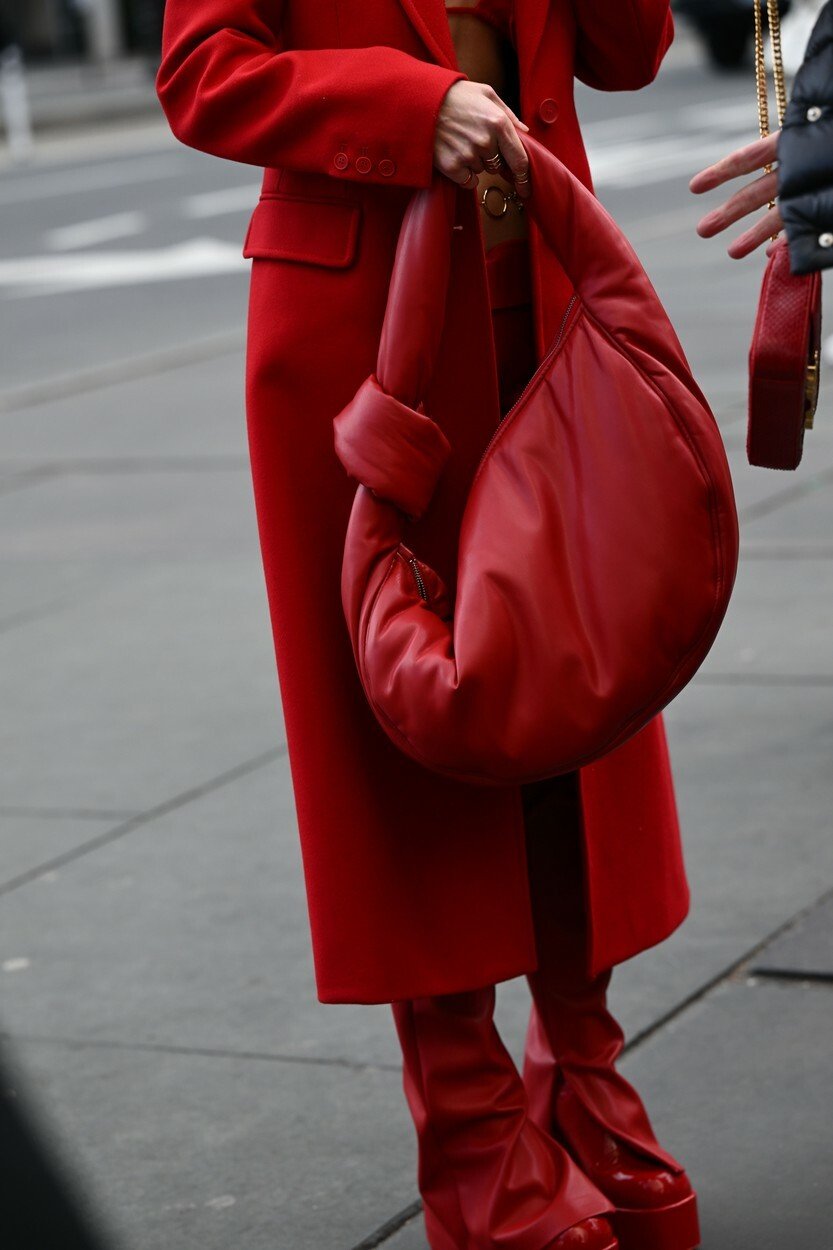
(429, 19)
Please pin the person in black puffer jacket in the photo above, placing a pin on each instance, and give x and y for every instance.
(802, 183)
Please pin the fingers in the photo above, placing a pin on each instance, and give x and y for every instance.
(743, 161)
(749, 198)
(764, 229)
(513, 117)
(515, 157)
(463, 175)
(474, 126)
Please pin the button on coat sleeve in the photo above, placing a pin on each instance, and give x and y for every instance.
(228, 86)
(620, 43)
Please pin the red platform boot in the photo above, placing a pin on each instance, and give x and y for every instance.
(490, 1178)
(573, 1042)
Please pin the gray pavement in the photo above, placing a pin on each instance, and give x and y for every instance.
(157, 990)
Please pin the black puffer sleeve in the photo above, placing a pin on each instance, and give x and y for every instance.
(805, 155)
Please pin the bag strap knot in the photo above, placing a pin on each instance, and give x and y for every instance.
(392, 449)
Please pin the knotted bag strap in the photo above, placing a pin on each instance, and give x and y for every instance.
(380, 437)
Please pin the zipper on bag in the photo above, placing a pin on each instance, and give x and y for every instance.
(419, 579)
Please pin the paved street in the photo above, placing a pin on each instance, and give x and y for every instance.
(156, 987)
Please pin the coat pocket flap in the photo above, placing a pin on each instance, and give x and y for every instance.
(314, 232)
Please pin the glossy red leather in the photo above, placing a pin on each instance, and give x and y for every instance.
(573, 1043)
(577, 1095)
(588, 1235)
(488, 1175)
(598, 548)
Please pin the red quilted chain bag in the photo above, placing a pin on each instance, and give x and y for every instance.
(599, 542)
(786, 342)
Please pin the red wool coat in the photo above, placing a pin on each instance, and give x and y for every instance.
(416, 884)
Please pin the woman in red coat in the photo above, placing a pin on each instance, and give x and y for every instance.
(423, 891)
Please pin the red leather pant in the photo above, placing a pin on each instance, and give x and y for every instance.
(510, 293)
(489, 1173)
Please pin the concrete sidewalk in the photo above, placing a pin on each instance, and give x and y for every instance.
(157, 984)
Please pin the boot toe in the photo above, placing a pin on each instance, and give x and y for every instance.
(643, 1188)
(593, 1234)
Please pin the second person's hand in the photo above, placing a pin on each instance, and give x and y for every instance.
(750, 197)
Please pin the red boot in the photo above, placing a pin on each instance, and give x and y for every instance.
(490, 1178)
(588, 1235)
(574, 1090)
(588, 1106)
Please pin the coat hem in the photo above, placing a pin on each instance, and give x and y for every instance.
(355, 995)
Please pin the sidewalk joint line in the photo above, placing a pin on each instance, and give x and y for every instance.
(50, 471)
(202, 1052)
(67, 813)
(131, 369)
(738, 966)
(143, 818)
(391, 1226)
(791, 974)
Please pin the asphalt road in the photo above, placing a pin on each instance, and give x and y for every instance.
(155, 973)
(123, 243)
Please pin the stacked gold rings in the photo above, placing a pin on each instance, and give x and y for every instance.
(494, 165)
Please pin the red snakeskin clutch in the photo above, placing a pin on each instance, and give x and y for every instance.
(783, 364)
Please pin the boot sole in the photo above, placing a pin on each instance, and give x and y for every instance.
(675, 1227)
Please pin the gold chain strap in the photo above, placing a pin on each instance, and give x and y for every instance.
(811, 379)
(774, 23)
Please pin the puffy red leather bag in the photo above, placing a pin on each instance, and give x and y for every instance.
(598, 546)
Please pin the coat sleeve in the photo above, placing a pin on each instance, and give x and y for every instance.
(805, 155)
(228, 86)
(620, 43)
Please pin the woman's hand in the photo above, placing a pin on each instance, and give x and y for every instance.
(751, 196)
(473, 124)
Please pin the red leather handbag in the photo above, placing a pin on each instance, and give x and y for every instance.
(599, 542)
(783, 364)
(786, 341)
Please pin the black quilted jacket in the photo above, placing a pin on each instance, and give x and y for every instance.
(805, 155)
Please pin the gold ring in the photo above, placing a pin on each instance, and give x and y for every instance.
(522, 177)
(494, 162)
(468, 177)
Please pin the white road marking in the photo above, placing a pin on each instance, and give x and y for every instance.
(15, 965)
(99, 230)
(47, 275)
(217, 203)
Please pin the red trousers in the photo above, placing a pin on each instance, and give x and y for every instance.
(490, 1174)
